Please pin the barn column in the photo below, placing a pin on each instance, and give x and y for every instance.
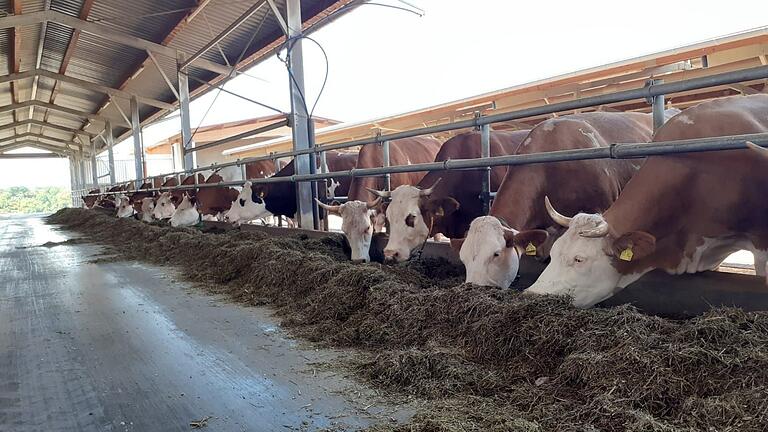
(186, 129)
(72, 186)
(94, 166)
(110, 141)
(300, 127)
(138, 144)
(485, 151)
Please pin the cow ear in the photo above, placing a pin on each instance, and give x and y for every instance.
(634, 245)
(456, 245)
(527, 242)
(441, 206)
(175, 200)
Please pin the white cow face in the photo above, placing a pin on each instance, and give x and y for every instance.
(186, 213)
(585, 259)
(247, 207)
(147, 207)
(164, 207)
(406, 214)
(331, 192)
(491, 252)
(124, 208)
(357, 225)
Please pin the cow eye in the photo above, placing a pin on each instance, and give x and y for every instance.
(578, 259)
(410, 220)
(162, 204)
(496, 254)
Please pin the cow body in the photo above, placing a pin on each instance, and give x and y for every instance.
(681, 213)
(213, 201)
(280, 198)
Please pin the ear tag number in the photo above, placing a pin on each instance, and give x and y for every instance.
(530, 249)
(626, 254)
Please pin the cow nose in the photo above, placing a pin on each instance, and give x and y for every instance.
(358, 261)
(391, 255)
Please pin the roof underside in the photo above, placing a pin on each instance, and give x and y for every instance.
(58, 72)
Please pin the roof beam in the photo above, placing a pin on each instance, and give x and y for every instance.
(38, 62)
(230, 28)
(89, 85)
(14, 59)
(30, 155)
(39, 136)
(107, 33)
(61, 109)
(34, 144)
(32, 122)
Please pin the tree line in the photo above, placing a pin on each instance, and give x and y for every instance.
(20, 199)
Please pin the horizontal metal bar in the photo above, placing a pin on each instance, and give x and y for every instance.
(615, 151)
(756, 73)
(245, 134)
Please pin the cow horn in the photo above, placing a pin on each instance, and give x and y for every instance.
(601, 230)
(378, 193)
(428, 191)
(373, 204)
(763, 151)
(329, 208)
(557, 217)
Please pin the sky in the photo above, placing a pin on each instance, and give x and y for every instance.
(384, 61)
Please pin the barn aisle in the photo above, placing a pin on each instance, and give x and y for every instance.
(120, 346)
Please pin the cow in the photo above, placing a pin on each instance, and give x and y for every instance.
(164, 207)
(454, 199)
(90, 199)
(280, 198)
(360, 218)
(682, 213)
(186, 213)
(124, 207)
(246, 207)
(214, 201)
(357, 225)
(147, 208)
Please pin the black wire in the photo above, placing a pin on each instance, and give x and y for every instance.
(289, 46)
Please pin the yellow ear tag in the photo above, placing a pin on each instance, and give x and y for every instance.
(530, 249)
(440, 212)
(626, 254)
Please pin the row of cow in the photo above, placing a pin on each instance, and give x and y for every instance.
(601, 224)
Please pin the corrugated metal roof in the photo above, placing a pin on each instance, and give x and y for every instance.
(98, 60)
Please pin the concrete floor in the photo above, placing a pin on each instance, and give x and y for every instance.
(123, 347)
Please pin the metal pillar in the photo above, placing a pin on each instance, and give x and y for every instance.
(657, 105)
(110, 153)
(485, 151)
(138, 144)
(94, 166)
(81, 167)
(299, 115)
(186, 129)
(385, 158)
(72, 180)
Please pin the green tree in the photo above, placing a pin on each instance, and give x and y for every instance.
(20, 199)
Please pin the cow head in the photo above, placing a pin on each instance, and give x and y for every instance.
(147, 207)
(164, 207)
(588, 263)
(491, 252)
(249, 205)
(357, 225)
(411, 214)
(124, 207)
(186, 213)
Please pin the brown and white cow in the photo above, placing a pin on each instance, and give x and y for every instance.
(580, 185)
(214, 201)
(454, 197)
(682, 213)
(361, 216)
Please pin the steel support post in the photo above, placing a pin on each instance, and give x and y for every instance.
(72, 180)
(299, 115)
(386, 163)
(110, 141)
(186, 129)
(138, 144)
(485, 151)
(81, 167)
(324, 169)
(94, 166)
(658, 108)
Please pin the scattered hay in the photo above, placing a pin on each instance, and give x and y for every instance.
(486, 359)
